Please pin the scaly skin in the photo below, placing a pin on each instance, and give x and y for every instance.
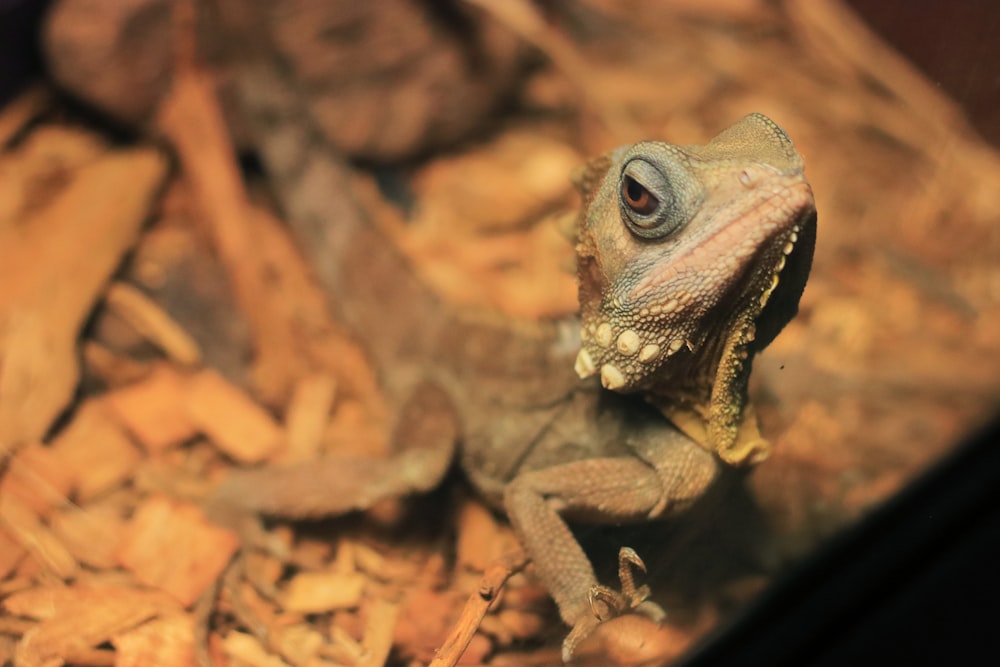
(675, 301)
(670, 300)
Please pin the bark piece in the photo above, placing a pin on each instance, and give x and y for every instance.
(82, 231)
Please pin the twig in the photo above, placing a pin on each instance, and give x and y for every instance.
(476, 607)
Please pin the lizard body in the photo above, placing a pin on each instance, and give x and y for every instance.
(690, 260)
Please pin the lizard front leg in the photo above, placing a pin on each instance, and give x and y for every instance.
(670, 475)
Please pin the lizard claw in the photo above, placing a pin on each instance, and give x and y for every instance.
(627, 559)
(607, 603)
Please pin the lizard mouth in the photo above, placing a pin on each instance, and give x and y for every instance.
(692, 294)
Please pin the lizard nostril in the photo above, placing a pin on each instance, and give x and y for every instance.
(746, 179)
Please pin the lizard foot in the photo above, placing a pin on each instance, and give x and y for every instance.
(607, 603)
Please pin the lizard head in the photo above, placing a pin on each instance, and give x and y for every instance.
(691, 259)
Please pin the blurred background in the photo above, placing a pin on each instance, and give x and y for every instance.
(164, 318)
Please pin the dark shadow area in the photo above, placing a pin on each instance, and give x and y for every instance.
(954, 43)
(914, 583)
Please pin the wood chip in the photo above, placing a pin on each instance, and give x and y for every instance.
(38, 478)
(521, 624)
(24, 526)
(307, 416)
(425, 619)
(82, 231)
(48, 602)
(171, 546)
(11, 552)
(244, 649)
(154, 410)
(380, 568)
(482, 540)
(89, 535)
(299, 643)
(156, 325)
(95, 451)
(230, 418)
(165, 642)
(253, 609)
(379, 630)
(78, 618)
(7, 649)
(316, 592)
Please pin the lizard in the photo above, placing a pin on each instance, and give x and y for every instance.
(691, 259)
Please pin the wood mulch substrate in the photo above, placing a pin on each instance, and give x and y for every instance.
(158, 328)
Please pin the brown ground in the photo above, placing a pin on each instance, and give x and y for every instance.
(153, 334)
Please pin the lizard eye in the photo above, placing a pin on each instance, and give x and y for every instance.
(648, 200)
(637, 197)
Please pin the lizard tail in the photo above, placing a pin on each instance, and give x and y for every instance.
(428, 431)
(374, 289)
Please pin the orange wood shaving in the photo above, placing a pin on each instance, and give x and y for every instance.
(171, 546)
(96, 452)
(231, 419)
(153, 410)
